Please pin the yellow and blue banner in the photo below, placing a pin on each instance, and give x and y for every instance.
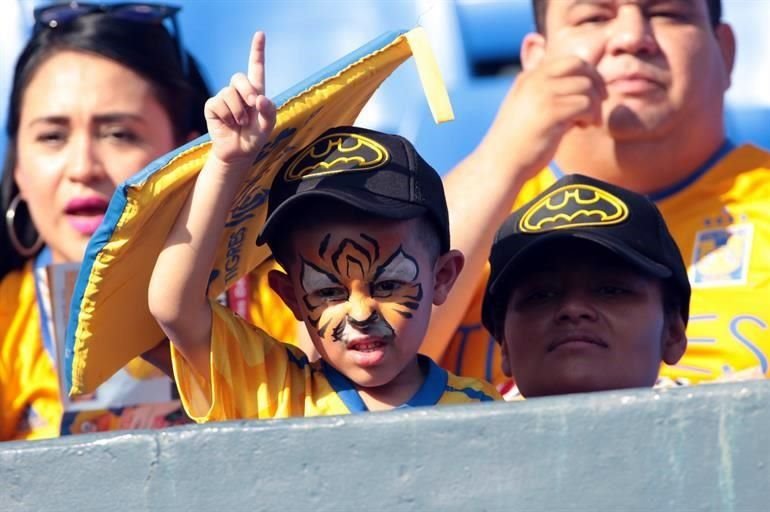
(109, 321)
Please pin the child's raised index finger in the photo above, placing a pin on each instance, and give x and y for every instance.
(256, 69)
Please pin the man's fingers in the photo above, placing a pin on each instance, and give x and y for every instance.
(564, 66)
(573, 85)
(598, 80)
(256, 69)
(571, 66)
(579, 110)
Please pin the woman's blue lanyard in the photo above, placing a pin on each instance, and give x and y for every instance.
(42, 260)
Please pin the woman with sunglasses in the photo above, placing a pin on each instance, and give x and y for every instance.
(98, 92)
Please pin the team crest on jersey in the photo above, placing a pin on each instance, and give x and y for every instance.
(337, 153)
(573, 206)
(721, 256)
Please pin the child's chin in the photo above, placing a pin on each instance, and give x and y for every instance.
(371, 377)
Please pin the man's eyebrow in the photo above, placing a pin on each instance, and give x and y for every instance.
(573, 3)
(648, 3)
(643, 3)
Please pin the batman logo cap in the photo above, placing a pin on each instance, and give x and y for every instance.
(579, 207)
(374, 172)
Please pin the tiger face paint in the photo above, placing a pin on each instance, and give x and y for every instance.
(392, 284)
(366, 291)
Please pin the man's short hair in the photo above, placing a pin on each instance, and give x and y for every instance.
(539, 8)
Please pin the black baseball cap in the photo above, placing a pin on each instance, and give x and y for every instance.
(579, 207)
(377, 173)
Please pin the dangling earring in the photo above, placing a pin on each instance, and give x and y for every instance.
(10, 217)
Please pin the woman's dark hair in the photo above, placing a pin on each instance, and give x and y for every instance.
(148, 49)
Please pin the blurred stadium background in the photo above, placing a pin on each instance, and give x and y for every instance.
(476, 43)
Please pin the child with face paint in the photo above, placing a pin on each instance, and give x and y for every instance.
(587, 292)
(359, 222)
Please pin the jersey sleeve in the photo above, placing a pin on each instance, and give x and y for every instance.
(251, 374)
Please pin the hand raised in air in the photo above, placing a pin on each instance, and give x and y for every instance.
(240, 118)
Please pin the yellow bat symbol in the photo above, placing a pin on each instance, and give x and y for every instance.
(337, 153)
(573, 206)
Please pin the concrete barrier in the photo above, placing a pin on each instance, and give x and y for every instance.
(686, 449)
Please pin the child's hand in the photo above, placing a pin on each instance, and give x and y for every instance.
(240, 117)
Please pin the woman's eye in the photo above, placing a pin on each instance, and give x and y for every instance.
(51, 137)
(120, 135)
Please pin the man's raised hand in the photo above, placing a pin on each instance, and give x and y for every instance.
(559, 94)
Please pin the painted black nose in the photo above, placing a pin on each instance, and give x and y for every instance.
(366, 322)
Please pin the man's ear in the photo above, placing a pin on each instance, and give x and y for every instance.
(726, 40)
(281, 284)
(674, 339)
(532, 50)
(448, 267)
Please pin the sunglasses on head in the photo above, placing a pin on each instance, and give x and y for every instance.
(56, 15)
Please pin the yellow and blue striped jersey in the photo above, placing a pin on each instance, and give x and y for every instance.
(255, 376)
(720, 218)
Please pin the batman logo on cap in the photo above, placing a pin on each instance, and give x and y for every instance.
(337, 153)
(573, 206)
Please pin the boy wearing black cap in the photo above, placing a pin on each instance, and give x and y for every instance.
(359, 221)
(587, 292)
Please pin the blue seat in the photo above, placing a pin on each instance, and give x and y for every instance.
(492, 31)
(475, 105)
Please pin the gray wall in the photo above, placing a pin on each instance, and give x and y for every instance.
(687, 449)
